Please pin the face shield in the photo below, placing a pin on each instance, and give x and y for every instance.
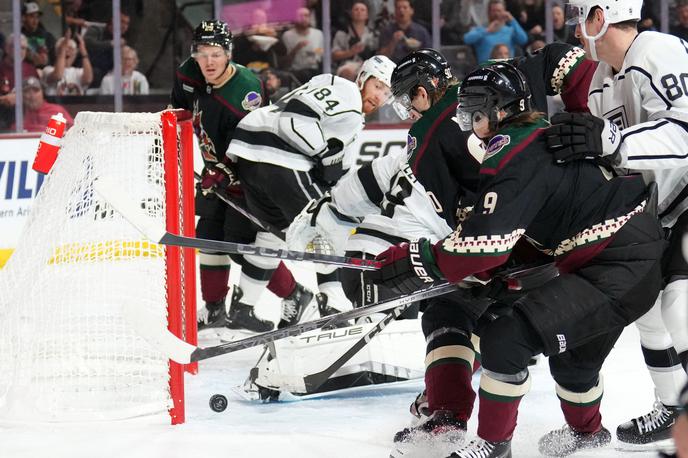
(402, 106)
(576, 14)
(470, 111)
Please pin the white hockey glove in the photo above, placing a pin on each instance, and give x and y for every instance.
(575, 136)
(320, 228)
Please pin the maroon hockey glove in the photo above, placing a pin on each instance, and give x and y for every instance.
(575, 136)
(219, 176)
(406, 268)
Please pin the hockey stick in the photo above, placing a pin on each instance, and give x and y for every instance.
(315, 381)
(118, 199)
(200, 354)
(236, 206)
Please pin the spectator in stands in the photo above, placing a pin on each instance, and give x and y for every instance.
(133, 81)
(402, 36)
(530, 14)
(37, 111)
(99, 42)
(502, 28)
(358, 43)
(273, 84)
(304, 45)
(681, 29)
(500, 51)
(534, 45)
(474, 13)
(72, 14)
(257, 47)
(64, 78)
(41, 43)
(563, 32)
(7, 64)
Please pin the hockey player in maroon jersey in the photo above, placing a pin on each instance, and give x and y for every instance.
(606, 247)
(219, 93)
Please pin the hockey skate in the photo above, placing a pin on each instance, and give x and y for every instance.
(294, 305)
(653, 428)
(565, 441)
(419, 406)
(436, 435)
(325, 310)
(480, 448)
(241, 316)
(213, 315)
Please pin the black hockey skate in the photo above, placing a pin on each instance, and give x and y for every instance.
(480, 448)
(241, 315)
(325, 310)
(212, 316)
(440, 422)
(650, 428)
(294, 305)
(565, 441)
(419, 407)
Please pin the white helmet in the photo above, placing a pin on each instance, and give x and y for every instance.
(381, 67)
(615, 11)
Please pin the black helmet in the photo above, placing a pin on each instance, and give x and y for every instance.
(488, 90)
(425, 67)
(212, 33)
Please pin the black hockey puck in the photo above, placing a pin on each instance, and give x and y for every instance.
(218, 402)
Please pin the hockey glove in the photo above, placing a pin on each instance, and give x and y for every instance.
(575, 136)
(407, 267)
(219, 176)
(330, 165)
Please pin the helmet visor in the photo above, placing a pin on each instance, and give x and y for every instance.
(402, 106)
(575, 14)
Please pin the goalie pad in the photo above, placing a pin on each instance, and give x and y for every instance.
(396, 354)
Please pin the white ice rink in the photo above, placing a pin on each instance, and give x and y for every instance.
(359, 423)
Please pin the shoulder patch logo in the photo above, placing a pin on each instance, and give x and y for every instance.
(251, 101)
(497, 143)
(411, 144)
(187, 88)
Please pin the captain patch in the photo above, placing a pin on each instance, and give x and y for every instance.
(251, 101)
(497, 143)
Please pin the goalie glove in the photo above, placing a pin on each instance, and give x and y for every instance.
(406, 268)
(575, 136)
(219, 176)
(330, 163)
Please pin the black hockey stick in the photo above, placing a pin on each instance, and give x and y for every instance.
(200, 354)
(315, 381)
(236, 206)
(118, 199)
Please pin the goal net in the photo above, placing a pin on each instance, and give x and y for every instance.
(81, 276)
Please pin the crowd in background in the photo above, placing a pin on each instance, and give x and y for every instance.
(80, 60)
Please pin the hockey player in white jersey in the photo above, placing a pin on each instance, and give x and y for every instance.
(292, 152)
(638, 102)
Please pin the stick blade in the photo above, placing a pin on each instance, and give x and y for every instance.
(125, 205)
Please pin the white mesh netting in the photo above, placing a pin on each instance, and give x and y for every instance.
(67, 351)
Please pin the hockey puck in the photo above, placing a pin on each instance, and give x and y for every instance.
(218, 402)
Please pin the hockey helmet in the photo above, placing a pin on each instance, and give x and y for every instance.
(425, 67)
(487, 91)
(615, 11)
(380, 67)
(212, 33)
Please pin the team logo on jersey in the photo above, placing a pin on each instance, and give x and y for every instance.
(251, 101)
(411, 144)
(618, 116)
(497, 143)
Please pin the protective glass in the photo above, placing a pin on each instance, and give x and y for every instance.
(575, 14)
